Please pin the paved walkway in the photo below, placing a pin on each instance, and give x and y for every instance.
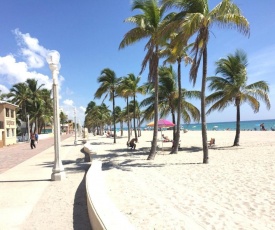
(28, 197)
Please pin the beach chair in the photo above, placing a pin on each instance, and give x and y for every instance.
(211, 142)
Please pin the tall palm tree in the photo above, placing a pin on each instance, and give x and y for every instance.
(195, 18)
(176, 53)
(232, 88)
(148, 26)
(32, 99)
(36, 105)
(88, 122)
(169, 97)
(120, 118)
(108, 87)
(134, 89)
(90, 106)
(20, 95)
(123, 90)
(2, 95)
(63, 118)
(45, 112)
(97, 117)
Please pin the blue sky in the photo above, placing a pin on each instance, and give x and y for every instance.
(87, 35)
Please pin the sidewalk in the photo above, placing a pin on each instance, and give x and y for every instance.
(30, 200)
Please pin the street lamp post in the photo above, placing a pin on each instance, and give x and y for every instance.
(58, 172)
(75, 141)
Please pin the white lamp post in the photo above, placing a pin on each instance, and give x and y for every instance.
(58, 172)
(75, 141)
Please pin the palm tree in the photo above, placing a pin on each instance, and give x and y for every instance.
(19, 95)
(176, 53)
(33, 100)
(90, 106)
(123, 90)
(133, 89)
(2, 95)
(148, 25)
(232, 88)
(36, 105)
(45, 113)
(169, 97)
(88, 119)
(196, 19)
(108, 87)
(63, 118)
(120, 118)
(96, 117)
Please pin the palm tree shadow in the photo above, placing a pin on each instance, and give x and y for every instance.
(81, 219)
(190, 149)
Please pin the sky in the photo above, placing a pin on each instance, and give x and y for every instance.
(87, 35)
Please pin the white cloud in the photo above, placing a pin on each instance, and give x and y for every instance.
(14, 72)
(68, 102)
(31, 58)
(4, 89)
(34, 53)
(83, 109)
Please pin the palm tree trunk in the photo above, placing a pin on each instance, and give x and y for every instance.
(128, 120)
(156, 85)
(121, 128)
(203, 116)
(155, 134)
(238, 125)
(114, 118)
(135, 130)
(174, 121)
(177, 136)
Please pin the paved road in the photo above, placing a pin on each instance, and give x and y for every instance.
(10, 156)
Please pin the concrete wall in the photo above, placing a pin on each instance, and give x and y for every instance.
(103, 213)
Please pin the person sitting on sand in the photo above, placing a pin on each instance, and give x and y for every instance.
(165, 138)
(132, 144)
(262, 127)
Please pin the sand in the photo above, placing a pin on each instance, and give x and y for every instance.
(236, 190)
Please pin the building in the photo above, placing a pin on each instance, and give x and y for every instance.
(7, 123)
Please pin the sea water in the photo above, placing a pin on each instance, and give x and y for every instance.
(231, 125)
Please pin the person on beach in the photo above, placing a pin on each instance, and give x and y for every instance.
(32, 141)
(132, 143)
(165, 138)
(262, 127)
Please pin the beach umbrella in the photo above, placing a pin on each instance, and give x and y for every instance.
(162, 123)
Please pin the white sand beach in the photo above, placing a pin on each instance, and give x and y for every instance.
(236, 190)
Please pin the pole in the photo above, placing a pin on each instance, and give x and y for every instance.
(58, 172)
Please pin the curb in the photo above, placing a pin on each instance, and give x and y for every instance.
(103, 214)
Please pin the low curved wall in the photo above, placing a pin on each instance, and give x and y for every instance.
(102, 212)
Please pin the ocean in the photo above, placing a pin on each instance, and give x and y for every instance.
(231, 125)
(220, 126)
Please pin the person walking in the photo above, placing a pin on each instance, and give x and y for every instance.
(36, 137)
(32, 141)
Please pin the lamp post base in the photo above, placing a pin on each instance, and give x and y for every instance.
(58, 176)
(75, 142)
